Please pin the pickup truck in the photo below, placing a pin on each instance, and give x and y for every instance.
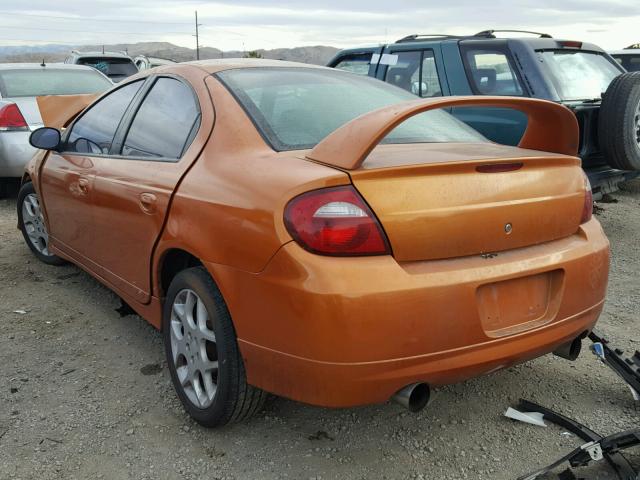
(582, 76)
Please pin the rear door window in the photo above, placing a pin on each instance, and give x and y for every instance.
(416, 72)
(630, 62)
(357, 63)
(491, 72)
(165, 123)
(93, 132)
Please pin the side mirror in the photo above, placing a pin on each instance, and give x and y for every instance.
(45, 138)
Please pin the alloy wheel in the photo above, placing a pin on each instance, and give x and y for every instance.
(194, 348)
(34, 225)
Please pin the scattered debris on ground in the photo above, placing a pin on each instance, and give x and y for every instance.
(96, 382)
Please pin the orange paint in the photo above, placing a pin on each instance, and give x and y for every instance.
(488, 269)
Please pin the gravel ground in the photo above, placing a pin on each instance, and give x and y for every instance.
(85, 393)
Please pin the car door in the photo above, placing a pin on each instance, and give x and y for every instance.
(67, 177)
(134, 184)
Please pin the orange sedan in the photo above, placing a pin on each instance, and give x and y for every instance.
(319, 235)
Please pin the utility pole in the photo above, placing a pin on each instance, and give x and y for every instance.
(197, 38)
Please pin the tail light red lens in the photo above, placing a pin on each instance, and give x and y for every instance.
(11, 118)
(587, 209)
(335, 221)
(571, 44)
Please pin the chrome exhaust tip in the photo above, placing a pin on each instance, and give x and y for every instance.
(413, 397)
(571, 350)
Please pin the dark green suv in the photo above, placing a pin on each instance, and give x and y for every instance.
(582, 76)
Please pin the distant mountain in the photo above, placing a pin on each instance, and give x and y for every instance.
(318, 55)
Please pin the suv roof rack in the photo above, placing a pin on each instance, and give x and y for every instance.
(490, 33)
(418, 37)
(635, 46)
(482, 34)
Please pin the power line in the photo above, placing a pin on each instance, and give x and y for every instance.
(95, 31)
(44, 42)
(118, 20)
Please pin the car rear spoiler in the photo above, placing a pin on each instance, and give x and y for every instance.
(57, 111)
(551, 127)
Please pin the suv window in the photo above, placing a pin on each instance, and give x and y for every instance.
(356, 63)
(491, 72)
(415, 71)
(578, 74)
(630, 62)
(93, 132)
(114, 68)
(165, 123)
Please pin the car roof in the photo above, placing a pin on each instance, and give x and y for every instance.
(626, 51)
(218, 65)
(47, 66)
(536, 43)
(100, 54)
(152, 58)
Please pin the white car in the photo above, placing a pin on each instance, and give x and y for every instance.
(144, 63)
(20, 84)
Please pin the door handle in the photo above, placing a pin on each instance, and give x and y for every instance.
(83, 185)
(148, 202)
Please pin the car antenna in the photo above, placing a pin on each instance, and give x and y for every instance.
(43, 64)
(103, 49)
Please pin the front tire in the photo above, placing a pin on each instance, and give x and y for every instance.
(202, 352)
(32, 225)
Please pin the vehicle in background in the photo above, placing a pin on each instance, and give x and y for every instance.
(115, 65)
(143, 62)
(572, 73)
(629, 57)
(20, 84)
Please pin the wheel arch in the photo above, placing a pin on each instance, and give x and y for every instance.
(26, 178)
(171, 262)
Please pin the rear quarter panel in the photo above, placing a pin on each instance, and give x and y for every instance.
(228, 209)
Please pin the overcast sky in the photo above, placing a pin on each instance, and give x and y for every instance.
(252, 24)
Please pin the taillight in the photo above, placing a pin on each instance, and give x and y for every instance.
(587, 209)
(570, 44)
(11, 118)
(335, 221)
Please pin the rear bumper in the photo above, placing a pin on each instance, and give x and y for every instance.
(15, 153)
(341, 332)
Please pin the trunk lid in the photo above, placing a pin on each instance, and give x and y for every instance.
(433, 203)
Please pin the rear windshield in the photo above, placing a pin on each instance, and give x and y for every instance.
(51, 81)
(631, 62)
(579, 75)
(119, 67)
(295, 108)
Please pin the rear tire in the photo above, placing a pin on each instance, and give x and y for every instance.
(202, 352)
(619, 122)
(32, 225)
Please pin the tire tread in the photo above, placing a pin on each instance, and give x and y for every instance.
(242, 400)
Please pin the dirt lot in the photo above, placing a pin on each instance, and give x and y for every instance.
(85, 393)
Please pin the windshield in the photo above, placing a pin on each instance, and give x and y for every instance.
(295, 108)
(111, 67)
(631, 62)
(51, 81)
(579, 75)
